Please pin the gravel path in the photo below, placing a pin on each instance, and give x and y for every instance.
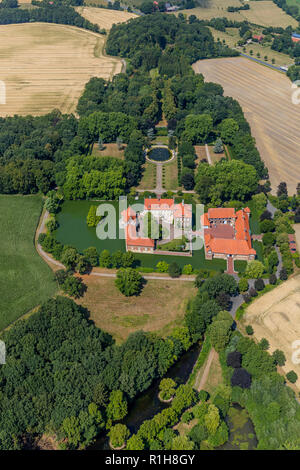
(212, 355)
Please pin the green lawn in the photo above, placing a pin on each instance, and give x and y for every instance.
(25, 279)
(171, 175)
(148, 180)
(254, 219)
(258, 246)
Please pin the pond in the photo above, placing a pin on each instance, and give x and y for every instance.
(159, 154)
(147, 405)
(241, 430)
(73, 230)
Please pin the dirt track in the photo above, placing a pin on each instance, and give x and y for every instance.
(266, 98)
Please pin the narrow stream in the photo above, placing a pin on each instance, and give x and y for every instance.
(147, 405)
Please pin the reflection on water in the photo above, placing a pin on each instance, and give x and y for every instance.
(147, 404)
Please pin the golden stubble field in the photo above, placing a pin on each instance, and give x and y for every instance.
(105, 18)
(275, 316)
(266, 98)
(263, 12)
(46, 66)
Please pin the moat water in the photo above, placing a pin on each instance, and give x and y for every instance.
(147, 404)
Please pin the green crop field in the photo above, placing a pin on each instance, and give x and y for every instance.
(25, 279)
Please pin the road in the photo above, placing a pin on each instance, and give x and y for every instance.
(259, 61)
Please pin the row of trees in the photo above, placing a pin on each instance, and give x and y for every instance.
(53, 12)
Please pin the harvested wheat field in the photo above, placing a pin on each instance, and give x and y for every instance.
(46, 66)
(276, 317)
(266, 98)
(104, 18)
(264, 12)
(297, 235)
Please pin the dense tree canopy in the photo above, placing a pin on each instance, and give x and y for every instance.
(94, 177)
(60, 367)
(144, 39)
(225, 181)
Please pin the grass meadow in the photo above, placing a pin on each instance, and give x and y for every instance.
(25, 279)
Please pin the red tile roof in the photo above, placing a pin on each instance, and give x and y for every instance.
(240, 244)
(132, 238)
(221, 213)
(128, 213)
(230, 247)
(159, 204)
(259, 37)
(183, 210)
(204, 220)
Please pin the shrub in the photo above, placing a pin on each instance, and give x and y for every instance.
(253, 292)
(264, 344)
(218, 147)
(82, 265)
(292, 376)
(92, 219)
(69, 257)
(267, 226)
(41, 238)
(91, 255)
(187, 417)
(118, 434)
(268, 239)
(234, 359)
(249, 330)
(105, 259)
(254, 270)
(241, 378)
(203, 395)
(187, 269)
(167, 388)
(129, 282)
(174, 270)
(283, 274)
(279, 357)
(266, 215)
(162, 267)
(223, 300)
(272, 279)
(259, 284)
(198, 433)
(73, 286)
(243, 285)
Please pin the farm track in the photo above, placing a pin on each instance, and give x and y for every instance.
(266, 99)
